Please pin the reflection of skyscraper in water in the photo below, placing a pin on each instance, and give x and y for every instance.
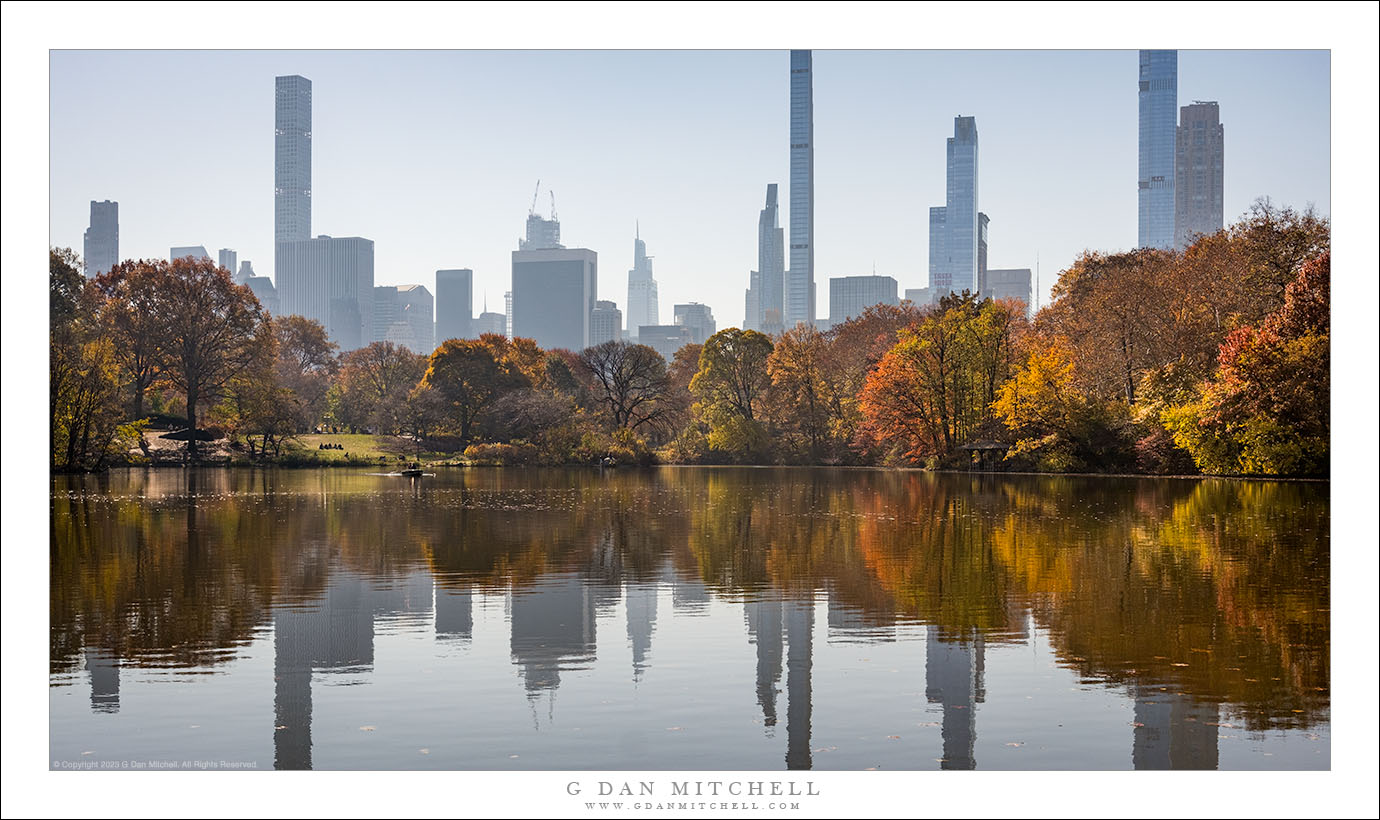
(104, 669)
(640, 602)
(764, 623)
(953, 679)
(331, 634)
(800, 627)
(848, 623)
(406, 600)
(1173, 731)
(552, 629)
(454, 613)
(689, 595)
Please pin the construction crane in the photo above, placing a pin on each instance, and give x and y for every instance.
(532, 211)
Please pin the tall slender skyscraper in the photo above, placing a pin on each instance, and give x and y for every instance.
(328, 279)
(1159, 103)
(1198, 158)
(955, 229)
(292, 159)
(770, 276)
(101, 243)
(800, 281)
(643, 306)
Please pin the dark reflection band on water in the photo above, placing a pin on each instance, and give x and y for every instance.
(1191, 597)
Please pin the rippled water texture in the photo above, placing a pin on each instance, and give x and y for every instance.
(687, 618)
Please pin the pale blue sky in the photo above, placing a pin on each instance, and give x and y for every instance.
(434, 154)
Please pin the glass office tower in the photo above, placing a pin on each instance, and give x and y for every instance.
(800, 279)
(1159, 106)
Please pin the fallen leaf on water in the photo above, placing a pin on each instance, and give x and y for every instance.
(88, 753)
(1138, 724)
(893, 737)
(279, 728)
(1204, 651)
(423, 751)
(195, 726)
(512, 757)
(366, 728)
(1298, 711)
(675, 728)
(1178, 664)
(957, 706)
(1016, 743)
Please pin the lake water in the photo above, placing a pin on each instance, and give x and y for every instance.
(687, 618)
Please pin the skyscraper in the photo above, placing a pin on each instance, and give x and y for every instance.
(643, 306)
(800, 281)
(698, 318)
(1198, 155)
(292, 159)
(954, 228)
(329, 279)
(1159, 102)
(983, 222)
(228, 260)
(454, 304)
(489, 322)
(752, 308)
(194, 251)
(416, 309)
(1010, 283)
(849, 296)
(101, 243)
(606, 323)
(767, 284)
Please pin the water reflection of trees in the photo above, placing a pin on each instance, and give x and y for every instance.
(1216, 589)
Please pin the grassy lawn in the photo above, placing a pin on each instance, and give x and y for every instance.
(394, 449)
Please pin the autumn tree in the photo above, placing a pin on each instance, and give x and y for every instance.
(374, 381)
(519, 358)
(934, 389)
(210, 328)
(805, 396)
(1113, 310)
(731, 386)
(468, 378)
(305, 363)
(630, 382)
(86, 422)
(65, 283)
(133, 313)
(1265, 411)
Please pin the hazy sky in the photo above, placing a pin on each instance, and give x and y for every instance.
(434, 154)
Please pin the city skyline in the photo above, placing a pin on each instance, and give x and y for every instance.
(686, 275)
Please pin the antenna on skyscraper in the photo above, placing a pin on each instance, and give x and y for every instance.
(532, 211)
(1037, 281)
(553, 206)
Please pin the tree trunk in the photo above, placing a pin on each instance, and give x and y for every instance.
(191, 423)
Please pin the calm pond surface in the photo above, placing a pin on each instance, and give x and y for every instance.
(687, 618)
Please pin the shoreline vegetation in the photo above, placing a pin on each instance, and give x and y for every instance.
(1210, 362)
